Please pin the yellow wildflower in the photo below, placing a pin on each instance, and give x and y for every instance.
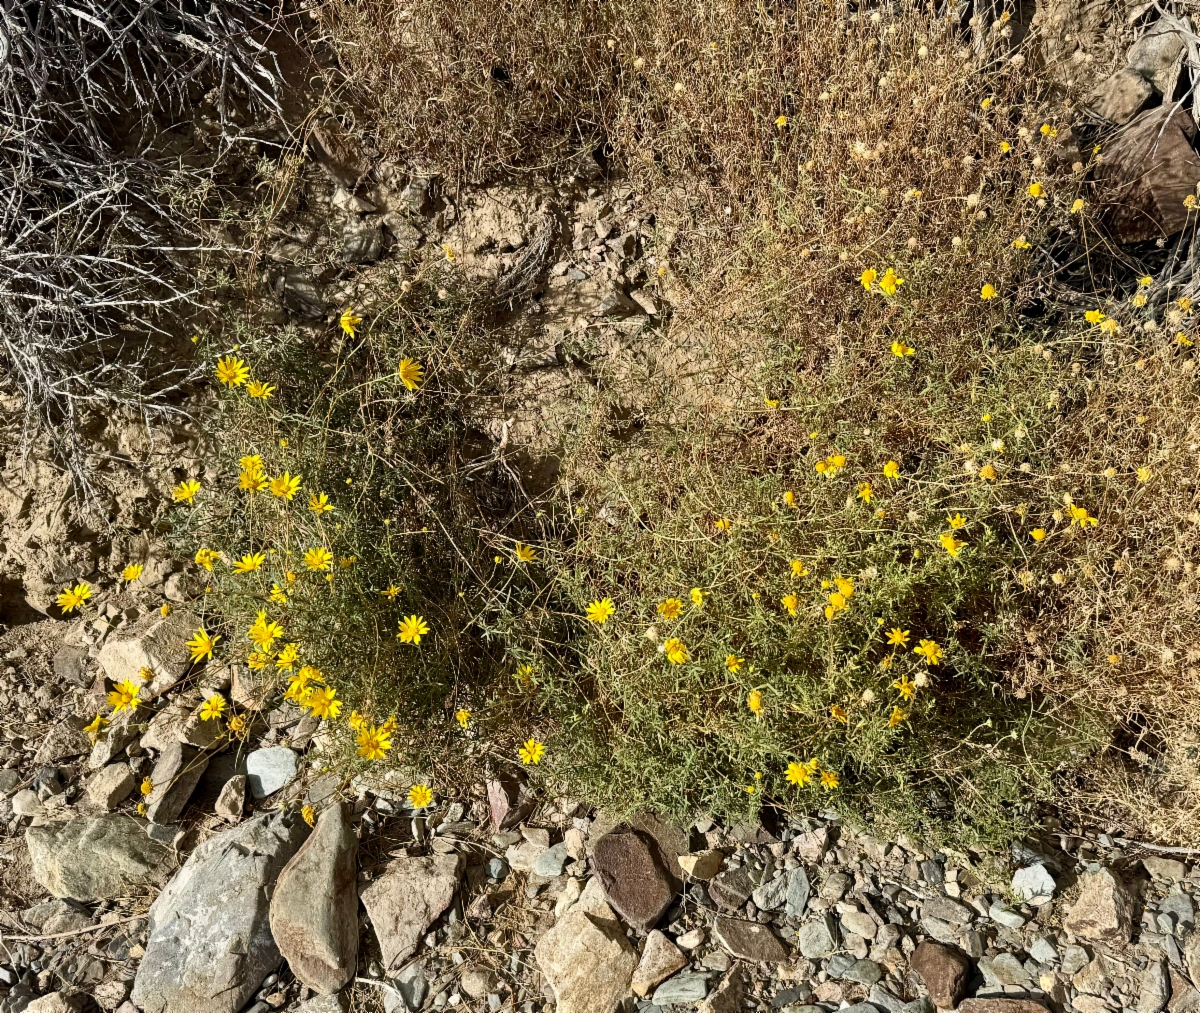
(1021, 243)
(249, 562)
(867, 278)
(258, 389)
(897, 637)
(675, 650)
(288, 657)
(308, 814)
(829, 780)
(206, 558)
(930, 651)
(147, 786)
(723, 524)
(988, 291)
(905, 687)
(754, 700)
(900, 349)
(524, 553)
(124, 696)
(1037, 534)
(800, 774)
(734, 663)
(132, 572)
(420, 796)
(532, 752)
(896, 717)
(185, 492)
(891, 469)
(213, 708)
(463, 717)
(373, 742)
(791, 603)
(838, 713)
(71, 598)
(278, 595)
(390, 592)
(412, 629)
(285, 486)
(1080, 516)
(96, 726)
(201, 645)
(600, 611)
(890, 282)
(322, 703)
(348, 321)
(232, 371)
(951, 544)
(319, 503)
(411, 373)
(318, 558)
(1143, 474)
(865, 491)
(789, 500)
(988, 473)
(1036, 190)
(798, 568)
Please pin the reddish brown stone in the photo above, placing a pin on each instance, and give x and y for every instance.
(1001, 1006)
(945, 971)
(632, 874)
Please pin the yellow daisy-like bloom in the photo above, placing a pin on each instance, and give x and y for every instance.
(257, 660)
(896, 637)
(147, 786)
(600, 611)
(288, 657)
(890, 282)
(951, 544)
(865, 492)
(412, 629)
(1078, 205)
(1037, 534)
(844, 585)
(1144, 474)
(800, 774)
(252, 480)
(723, 524)
(232, 371)
(791, 603)
(356, 721)
(1036, 190)
(896, 717)
(1021, 243)
(957, 522)
(1110, 326)
(318, 503)
(420, 796)
(532, 752)
(309, 815)
(829, 780)
(1048, 131)
(238, 726)
(278, 595)
(349, 322)
(165, 610)
(71, 598)
(185, 492)
(781, 121)
(930, 651)
(206, 558)
(322, 703)
(1080, 516)
(124, 696)
(754, 700)
(390, 592)
(988, 473)
(524, 553)
(672, 608)
(900, 349)
(867, 278)
(264, 632)
(675, 650)
(1005, 147)
(285, 486)
(373, 742)
(891, 469)
(838, 713)
(448, 250)
(771, 402)
(698, 594)
(411, 373)
(463, 717)
(988, 292)
(201, 645)
(1094, 317)
(250, 562)
(260, 390)
(905, 687)
(132, 572)
(213, 708)
(789, 500)
(1114, 659)
(96, 726)
(734, 663)
(798, 568)
(318, 559)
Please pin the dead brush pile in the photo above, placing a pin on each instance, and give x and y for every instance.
(904, 357)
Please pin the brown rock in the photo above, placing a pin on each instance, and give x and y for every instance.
(1154, 167)
(404, 901)
(660, 959)
(174, 778)
(1001, 1006)
(507, 804)
(749, 940)
(944, 970)
(632, 874)
(65, 739)
(1120, 97)
(314, 910)
(1104, 910)
(729, 996)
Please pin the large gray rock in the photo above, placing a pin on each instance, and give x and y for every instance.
(154, 642)
(268, 770)
(210, 940)
(174, 778)
(797, 893)
(65, 739)
(1157, 56)
(586, 957)
(817, 938)
(96, 859)
(314, 911)
(1155, 988)
(1104, 910)
(109, 787)
(404, 901)
(748, 940)
(1034, 885)
(1120, 97)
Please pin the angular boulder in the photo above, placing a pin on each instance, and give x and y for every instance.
(404, 901)
(635, 881)
(1104, 910)
(96, 859)
(660, 959)
(154, 642)
(945, 971)
(314, 910)
(210, 944)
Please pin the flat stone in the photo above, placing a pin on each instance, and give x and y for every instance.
(1074, 959)
(1104, 910)
(96, 859)
(314, 910)
(121, 730)
(865, 972)
(154, 642)
(690, 939)
(174, 778)
(748, 940)
(881, 997)
(1003, 969)
(232, 799)
(1165, 870)
(57, 1002)
(552, 861)
(64, 740)
(1034, 885)
(945, 970)
(26, 803)
(1155, 988)
(210, 944)
(1093, 977)
(817, 938)
(682, 988)
(1002, 914)
(771, 894)
(1084, 1003)
(586, 957)
(1157, 56)
(269, 769)
(999, 1006)
(634, 880)
(111, 994)
(69, 663)
(797, 893)
(731, 888)
(660, 959)
(860, 923)
(946, 909)
(1121, 96)
(833, 888)
(811, 846)
(477, 981)
(701, 865)
(9, 779)
(1180, 907)
(1184, 996)
(730, 995)
(406, 899)
(111, 785)
(523, 856)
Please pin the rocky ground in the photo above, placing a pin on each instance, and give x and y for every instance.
(222, 898)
